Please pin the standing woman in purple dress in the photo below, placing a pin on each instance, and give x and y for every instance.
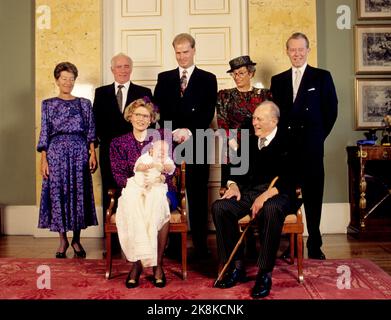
(68, 158)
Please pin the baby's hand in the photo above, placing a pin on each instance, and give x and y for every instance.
(168, 168)
(159, 166)
(181, 135)
(143, 167)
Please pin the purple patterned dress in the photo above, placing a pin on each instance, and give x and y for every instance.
(67, 200)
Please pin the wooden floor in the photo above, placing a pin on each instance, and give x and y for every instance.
(334, 246)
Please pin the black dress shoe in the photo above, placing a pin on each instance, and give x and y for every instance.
(316, 254)
(159, 283)
(61, 255)
(262, 286)
(79, 254)
(132, 283)
(133, 278)
(232, 278)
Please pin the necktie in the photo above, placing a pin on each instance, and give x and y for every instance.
(119, 96)
(183, 82)
(261, 143)
(296, 83)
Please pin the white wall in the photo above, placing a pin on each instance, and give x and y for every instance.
(23, 220)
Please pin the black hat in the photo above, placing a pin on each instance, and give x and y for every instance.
(240, 62)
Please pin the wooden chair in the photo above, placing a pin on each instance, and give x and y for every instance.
(293, 225)
(178, 220)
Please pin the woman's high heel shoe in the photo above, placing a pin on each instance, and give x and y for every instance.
(159, 283)
(79, 254)
(62, 255)
(133, 282)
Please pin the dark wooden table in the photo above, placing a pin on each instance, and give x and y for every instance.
(370, 192)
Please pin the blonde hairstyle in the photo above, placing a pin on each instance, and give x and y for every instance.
(298, 35)
(145, 103)
(183, 37)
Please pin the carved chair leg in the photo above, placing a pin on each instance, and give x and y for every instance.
(292, 248)
(300, 257)
(108, 255)
(184, 255)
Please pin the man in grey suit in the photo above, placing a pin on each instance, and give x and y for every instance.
(308, 103)
(108, 112)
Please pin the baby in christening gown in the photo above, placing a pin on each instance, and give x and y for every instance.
(143, 207)
(149, 167)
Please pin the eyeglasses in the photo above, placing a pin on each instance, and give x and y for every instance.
(239, 74)
(142, 116)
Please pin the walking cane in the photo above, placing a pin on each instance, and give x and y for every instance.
(240, 240)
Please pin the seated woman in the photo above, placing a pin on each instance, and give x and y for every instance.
(143, 215)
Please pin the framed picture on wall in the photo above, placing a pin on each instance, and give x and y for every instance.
(373, 9)
(372, 102)
(372, 49)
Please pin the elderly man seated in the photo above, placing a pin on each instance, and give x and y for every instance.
(252, 193)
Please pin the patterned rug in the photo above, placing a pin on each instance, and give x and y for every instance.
(84, 279)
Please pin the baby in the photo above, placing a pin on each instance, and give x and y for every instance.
(150, 167)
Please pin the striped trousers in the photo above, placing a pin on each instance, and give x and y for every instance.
(226, 214)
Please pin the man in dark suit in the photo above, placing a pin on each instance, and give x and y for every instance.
(187, 97)
(109, 104)
(308, 103)
(252, 194)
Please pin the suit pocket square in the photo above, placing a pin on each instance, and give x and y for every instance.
(311, 89)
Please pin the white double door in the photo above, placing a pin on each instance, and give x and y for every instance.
(144, 29)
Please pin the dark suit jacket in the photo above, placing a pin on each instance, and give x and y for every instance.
(265, 164)
(309, 120)
(110, 122)
(195, 110)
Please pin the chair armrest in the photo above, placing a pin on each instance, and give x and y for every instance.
(183, 189)
(113, 195)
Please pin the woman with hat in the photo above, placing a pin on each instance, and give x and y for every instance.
(235, 106)
(124, 152)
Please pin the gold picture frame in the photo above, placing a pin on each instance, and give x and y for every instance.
(372, 101)
(373, 9)
(372, 49)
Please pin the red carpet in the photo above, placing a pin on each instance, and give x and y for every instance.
(84, 279)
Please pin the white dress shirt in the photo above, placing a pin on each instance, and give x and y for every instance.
(188, 70)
